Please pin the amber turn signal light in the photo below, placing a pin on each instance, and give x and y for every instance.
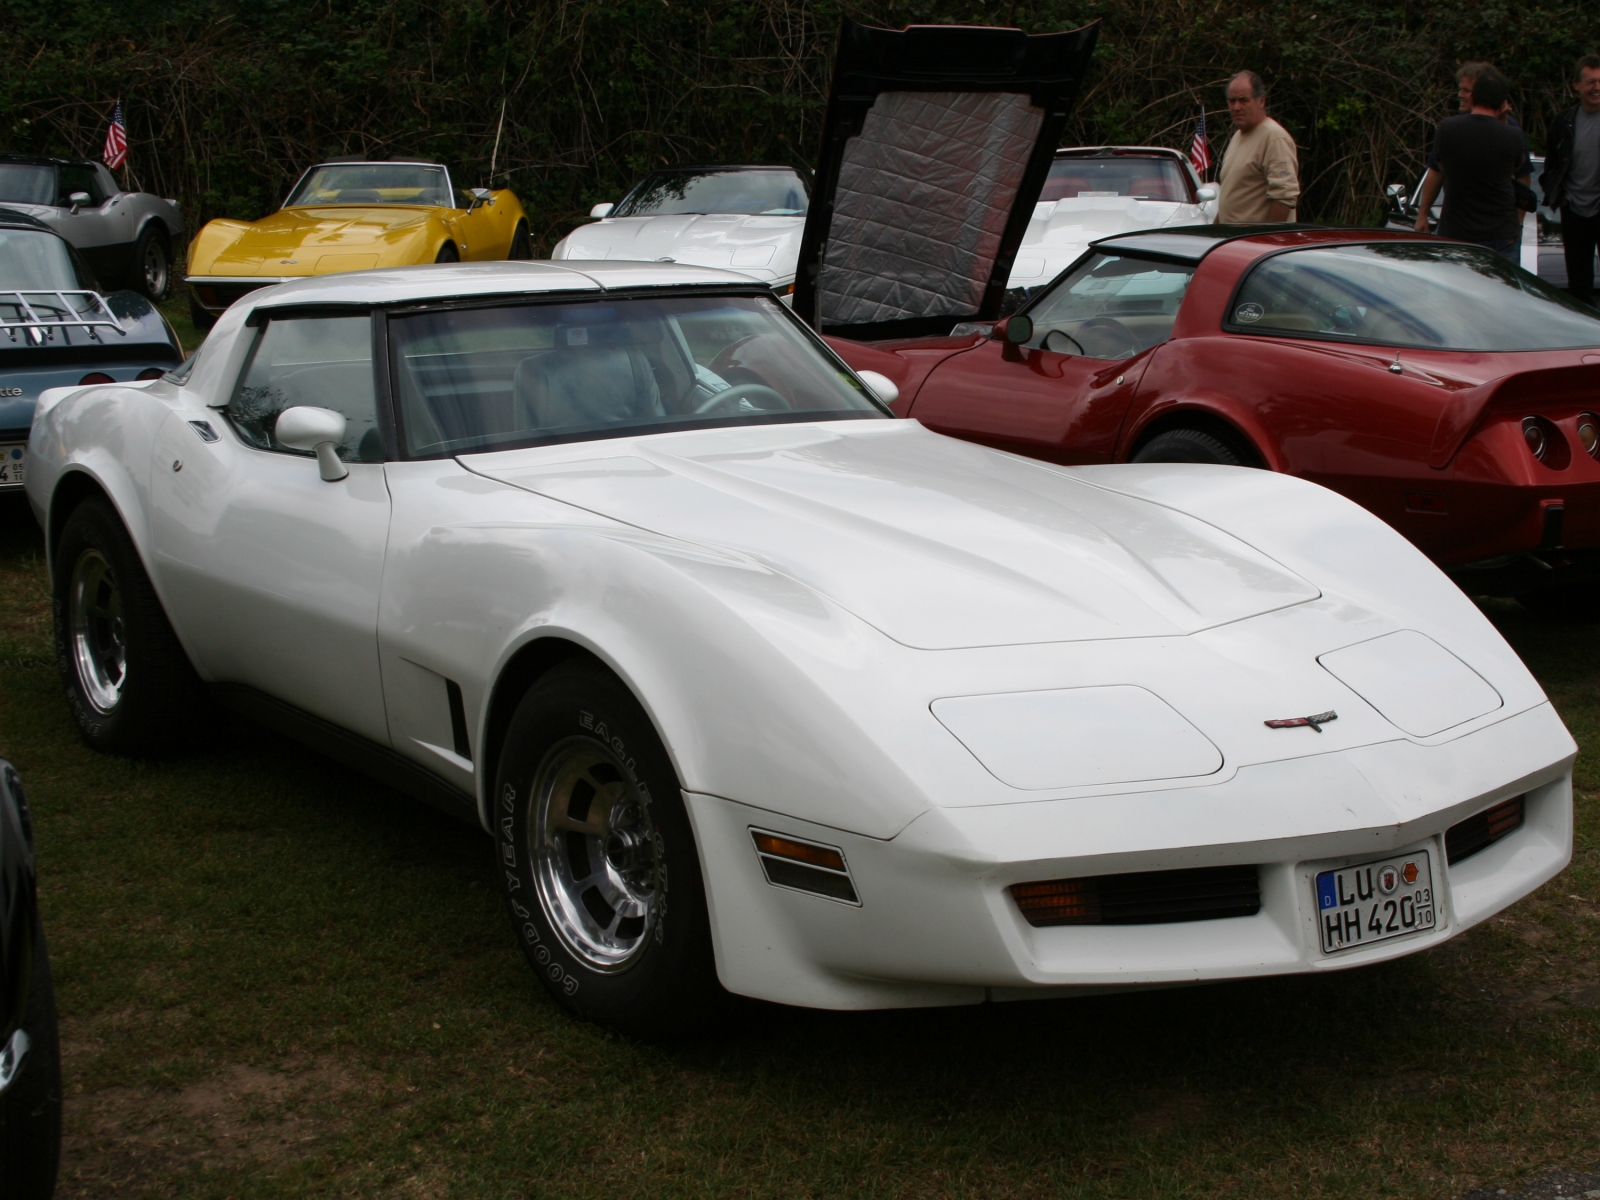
(817, 856)
(1059, 901)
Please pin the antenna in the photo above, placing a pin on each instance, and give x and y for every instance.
(495, 155)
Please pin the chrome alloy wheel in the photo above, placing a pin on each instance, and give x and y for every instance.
(99, 637)
(597, 860)
(155, 268)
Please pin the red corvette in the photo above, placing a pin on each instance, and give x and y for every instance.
(1447, 391)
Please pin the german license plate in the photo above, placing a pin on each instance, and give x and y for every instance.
(1375, 901)
(13, 462)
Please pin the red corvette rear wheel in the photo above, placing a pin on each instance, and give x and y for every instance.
(1189, 446)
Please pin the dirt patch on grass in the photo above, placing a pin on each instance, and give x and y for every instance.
(124, 1140)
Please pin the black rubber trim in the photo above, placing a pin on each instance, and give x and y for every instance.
(380, 762)
(458, 719)
(1555, 518)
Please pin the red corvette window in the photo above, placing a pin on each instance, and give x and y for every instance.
(1141, 178)
(1436, 295)
(1111, 307)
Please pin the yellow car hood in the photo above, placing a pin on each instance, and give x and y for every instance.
(316, 241)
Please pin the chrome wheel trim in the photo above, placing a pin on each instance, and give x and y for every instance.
(97, 631)
(155, 268)
(597, 857)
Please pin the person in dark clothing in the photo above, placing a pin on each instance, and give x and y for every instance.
(1571, 177)
(1478, 156)
(1467, 75)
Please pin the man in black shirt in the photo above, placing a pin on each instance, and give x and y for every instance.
(1478, 156)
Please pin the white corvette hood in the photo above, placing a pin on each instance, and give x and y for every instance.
(937, 543)
(1062, 229)
(765, 247)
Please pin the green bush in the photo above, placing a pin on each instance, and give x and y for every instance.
(228, 102)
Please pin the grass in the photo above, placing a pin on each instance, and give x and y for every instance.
(277, 979)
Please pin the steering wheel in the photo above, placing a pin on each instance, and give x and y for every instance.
(1125, 345)
(760, 397)
(1065, 337)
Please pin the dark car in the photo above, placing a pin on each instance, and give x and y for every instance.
(30, 1058)
(57, 330)
(1445, 390)
(125, 237)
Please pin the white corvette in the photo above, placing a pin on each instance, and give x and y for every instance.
(752, 683)
(1099, 191)
(746, 219)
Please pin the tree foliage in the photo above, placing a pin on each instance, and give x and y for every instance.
(228, 101)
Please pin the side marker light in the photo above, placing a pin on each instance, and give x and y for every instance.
(804, 866)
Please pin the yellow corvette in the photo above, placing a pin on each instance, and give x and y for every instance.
(353, 214)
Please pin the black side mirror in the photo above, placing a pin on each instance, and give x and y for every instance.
(1015, 329)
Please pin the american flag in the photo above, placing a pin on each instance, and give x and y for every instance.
(116, 151)
(1200, 149)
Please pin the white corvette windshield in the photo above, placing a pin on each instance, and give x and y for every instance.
(677, 193)
(492, 378)
(1149, 178)
(373, 183)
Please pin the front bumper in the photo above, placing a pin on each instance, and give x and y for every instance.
(215, 293)
(936, 924)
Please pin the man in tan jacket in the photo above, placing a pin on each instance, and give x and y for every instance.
(1260, 174)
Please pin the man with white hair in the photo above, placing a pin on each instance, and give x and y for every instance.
(1260, 175)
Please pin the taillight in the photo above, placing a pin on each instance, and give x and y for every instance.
(1533, 434)
(150, 373)
(1547, 443)
(1589, 434)
(95, 377)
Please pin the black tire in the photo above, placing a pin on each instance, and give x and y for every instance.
(521, 243)
(202, 318)
(30, 1109)
(129, 684)
(448, 253)
(1188, 446)
(151, 273)
(579, 728)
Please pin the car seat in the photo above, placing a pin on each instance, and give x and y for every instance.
(583, 386)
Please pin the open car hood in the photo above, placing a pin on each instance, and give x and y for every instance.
(938, 544)
(936, 144)
(764, 246)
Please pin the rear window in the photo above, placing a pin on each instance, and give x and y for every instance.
(1150, 178)
(1427, 295)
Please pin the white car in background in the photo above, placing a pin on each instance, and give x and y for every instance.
(741, 218)
(753, 684)
(1097, 191)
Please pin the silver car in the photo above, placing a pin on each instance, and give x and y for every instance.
(125, 237)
